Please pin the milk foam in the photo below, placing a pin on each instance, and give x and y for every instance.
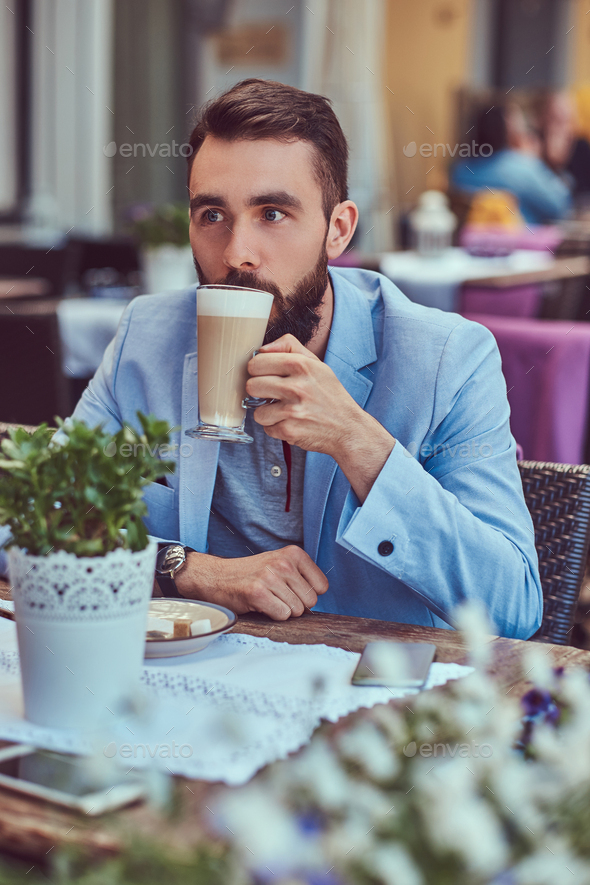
(234, 303)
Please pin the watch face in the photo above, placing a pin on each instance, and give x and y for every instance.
(170, 558)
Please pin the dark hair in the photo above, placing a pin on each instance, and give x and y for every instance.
(255, 109)
(490, 128)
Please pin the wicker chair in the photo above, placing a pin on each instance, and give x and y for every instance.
(558, 498)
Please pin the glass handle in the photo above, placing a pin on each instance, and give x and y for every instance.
(252, 402)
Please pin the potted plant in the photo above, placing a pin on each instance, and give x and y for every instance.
(163, 234)
(80, 562)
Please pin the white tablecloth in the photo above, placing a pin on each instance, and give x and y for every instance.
(435, 282)
(86, 326)
(219, 714)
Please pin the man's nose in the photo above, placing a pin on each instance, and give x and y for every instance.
(240, 251)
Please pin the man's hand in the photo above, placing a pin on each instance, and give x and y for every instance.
(315, 412)
(279, 583)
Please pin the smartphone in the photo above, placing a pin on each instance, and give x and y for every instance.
(64, 779)
(394, 664)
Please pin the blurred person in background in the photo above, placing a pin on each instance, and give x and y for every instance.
(564, 149)
(513, 164)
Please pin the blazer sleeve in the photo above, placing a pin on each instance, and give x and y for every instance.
(452, 505)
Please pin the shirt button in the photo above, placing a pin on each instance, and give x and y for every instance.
(385, 548)
(276, 470)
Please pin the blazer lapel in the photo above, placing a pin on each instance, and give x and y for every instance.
(197, 466)
(351, 346)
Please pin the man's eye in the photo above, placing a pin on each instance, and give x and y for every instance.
(212, 215)
(273, 215)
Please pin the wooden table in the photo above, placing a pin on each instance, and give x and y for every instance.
(560, 269)
(31, 829)
(24, 287)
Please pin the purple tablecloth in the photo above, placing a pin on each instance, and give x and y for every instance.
(519, 301)
(547, 369)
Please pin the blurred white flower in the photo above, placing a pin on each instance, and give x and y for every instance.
(458, 819)
(471, 619)
(318, 769)
(394, 866)
(266, 833)
(365, 745)
(551, 864)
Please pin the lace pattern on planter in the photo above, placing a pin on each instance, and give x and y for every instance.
(65, 587)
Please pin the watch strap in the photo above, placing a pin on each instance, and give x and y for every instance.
(168, 586)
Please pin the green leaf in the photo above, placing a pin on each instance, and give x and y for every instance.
(79, 494)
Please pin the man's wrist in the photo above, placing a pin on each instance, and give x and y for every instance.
(363, 453)
(198, 575)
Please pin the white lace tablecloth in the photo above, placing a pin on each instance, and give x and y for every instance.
(219, 714)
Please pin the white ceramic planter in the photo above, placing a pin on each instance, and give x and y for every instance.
(81, 625)
(167, 268)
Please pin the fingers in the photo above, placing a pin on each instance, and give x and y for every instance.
(313, 575)
(271, 596)
(270, 414)
(283, 364)
(287, 582)
(268, 604)
(291, 599)
(301, 575)
(269, 386)
(285, 344)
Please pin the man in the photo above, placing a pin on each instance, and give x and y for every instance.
(390, 427)
(511, 162)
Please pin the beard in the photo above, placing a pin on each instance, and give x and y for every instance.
(296, 313)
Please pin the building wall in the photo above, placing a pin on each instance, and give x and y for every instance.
(71, 116)
(580, 36)
(150, 118)
(427, 58)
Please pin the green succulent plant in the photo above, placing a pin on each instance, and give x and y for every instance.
(80, 492)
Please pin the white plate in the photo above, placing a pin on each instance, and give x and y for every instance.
(167, 610)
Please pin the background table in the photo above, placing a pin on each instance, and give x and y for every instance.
(437, 281)
(86, 326)
(31, 829)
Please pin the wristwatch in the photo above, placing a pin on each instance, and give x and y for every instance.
(171, 559)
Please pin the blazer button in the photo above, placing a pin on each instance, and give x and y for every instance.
(385, 548)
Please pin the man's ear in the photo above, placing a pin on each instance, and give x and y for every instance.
(342, 226)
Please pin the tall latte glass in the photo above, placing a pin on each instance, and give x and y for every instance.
(231, 323)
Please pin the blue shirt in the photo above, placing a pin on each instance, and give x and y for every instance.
(248, 507)
(449, 498)
(542, 196)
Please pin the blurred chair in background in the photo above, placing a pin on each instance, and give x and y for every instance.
(33, 387)
(546, 364)
(107, 267)
(55, 265)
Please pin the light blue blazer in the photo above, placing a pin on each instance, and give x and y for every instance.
(449, 497)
